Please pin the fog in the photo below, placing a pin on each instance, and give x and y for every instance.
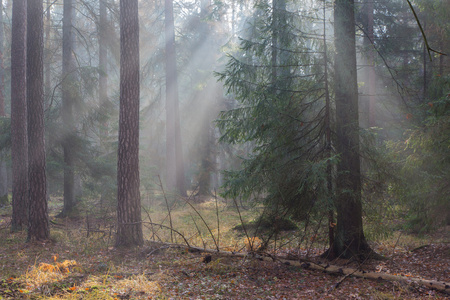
(394, 77)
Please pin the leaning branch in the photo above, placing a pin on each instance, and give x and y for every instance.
(429, 49)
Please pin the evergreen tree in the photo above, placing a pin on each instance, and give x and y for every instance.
(278, 80)
(349, 240)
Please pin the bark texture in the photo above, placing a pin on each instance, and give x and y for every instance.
(38, 223)
(129, 228)
(349, 240)
(19, 139)
(47, 53)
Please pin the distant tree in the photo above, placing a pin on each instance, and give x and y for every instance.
(369, 61)
(69, 94)
(349, 240)
(38, 223)
(102, 53)
(47, 57)
(3, 173)
(174, 152)
(19, 139)
(207, 93)
(129, 225)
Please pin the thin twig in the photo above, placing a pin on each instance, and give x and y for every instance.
(168, 208)
(171, 229)
(218, 222)
(429, 49)
(153, 230)
(198, 230)
(204, 222)
(242, 223)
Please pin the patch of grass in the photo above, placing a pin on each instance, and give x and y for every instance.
(265, 224)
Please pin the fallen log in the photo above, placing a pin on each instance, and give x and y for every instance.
(432, 284)
(330, 269)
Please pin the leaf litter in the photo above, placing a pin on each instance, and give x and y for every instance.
(58, 270)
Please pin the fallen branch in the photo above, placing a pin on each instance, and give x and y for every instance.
(432, 284)
(330, 269)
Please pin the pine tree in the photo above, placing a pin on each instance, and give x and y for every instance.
(129, 228)
(38, 223)
(19, 138)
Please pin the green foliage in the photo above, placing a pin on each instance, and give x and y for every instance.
(277, 79)
(423, 159)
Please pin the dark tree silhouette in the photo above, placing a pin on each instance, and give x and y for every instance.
(349, 240)
(38, 223)
(129, 228)
(19, 142)
(102, 53)
(68, 101)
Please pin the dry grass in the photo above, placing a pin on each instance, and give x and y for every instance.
(77, 266)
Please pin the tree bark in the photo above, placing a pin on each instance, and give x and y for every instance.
(19, 139)
(38, 223)
(129, 227)
(47, 61)
(174, 152)
(69, 95)
(349, 240)
(3, 173)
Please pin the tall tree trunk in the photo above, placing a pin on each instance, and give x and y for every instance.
(38, 223)
(102, 69)
(102, 54)
(3, 173)
(174, 152)
(328, 140)
(349, 240)
(129, 229)
(206, 136)
(19, 139)
(47, 55)
(68, 100)
(371, 63)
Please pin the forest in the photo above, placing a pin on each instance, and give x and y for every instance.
(224, 149)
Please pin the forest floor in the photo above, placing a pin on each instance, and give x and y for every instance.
(80, 262)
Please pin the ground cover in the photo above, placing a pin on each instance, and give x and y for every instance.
(80, 262)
